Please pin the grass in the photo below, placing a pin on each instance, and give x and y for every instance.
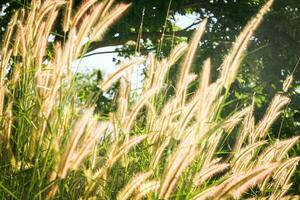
(52, 147)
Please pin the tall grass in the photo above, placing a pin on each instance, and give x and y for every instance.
(52, 148)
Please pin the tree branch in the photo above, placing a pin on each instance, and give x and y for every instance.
(117, 51)
(122, 39)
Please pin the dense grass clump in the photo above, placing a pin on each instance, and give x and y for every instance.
(177, 149)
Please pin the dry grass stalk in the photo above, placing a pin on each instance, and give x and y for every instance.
(287, 83)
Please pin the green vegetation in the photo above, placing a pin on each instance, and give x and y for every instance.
(184, 144)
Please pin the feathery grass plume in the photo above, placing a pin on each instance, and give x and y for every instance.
(158, 77)
(6, 137)
(247, 129)
(212, 144)
(69, 54)
(176, 53)
(146, 188)
(89, 142)
(209, 172)
(232, 121)
(119, 73)
(150, 73)
(16, 46)
(58, 149)
(71, 154)
(242, 158)
(123, 99)
(113, 155)
(5, 57)
(151, 113)
(231, 63)
(85, 135)
(7, 38)
(186, 115)
(175, 172)
(158, 153)
(158, 69)
(282, 175)
(81, 12)
(96, 23)
(209, 107)
(186, 66)
(85, 28)
(288, 163)
(25, 38)
(117, 152)
(39, 46)
(107, 21)
(271, 115)
(278, 150)
(51, 18)
(237, 183)
(182, 98)
(23, 49)
(164, 124)
(203, 85)
(133, 184)
(44, 12)
(162, 129)
(107, 7)
(212, 192)
(136, 108)
(179, 161)
(252, 180)
(8, 119)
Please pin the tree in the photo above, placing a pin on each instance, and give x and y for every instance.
(272, 55)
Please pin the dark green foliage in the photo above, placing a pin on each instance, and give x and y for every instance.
(91, 94)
